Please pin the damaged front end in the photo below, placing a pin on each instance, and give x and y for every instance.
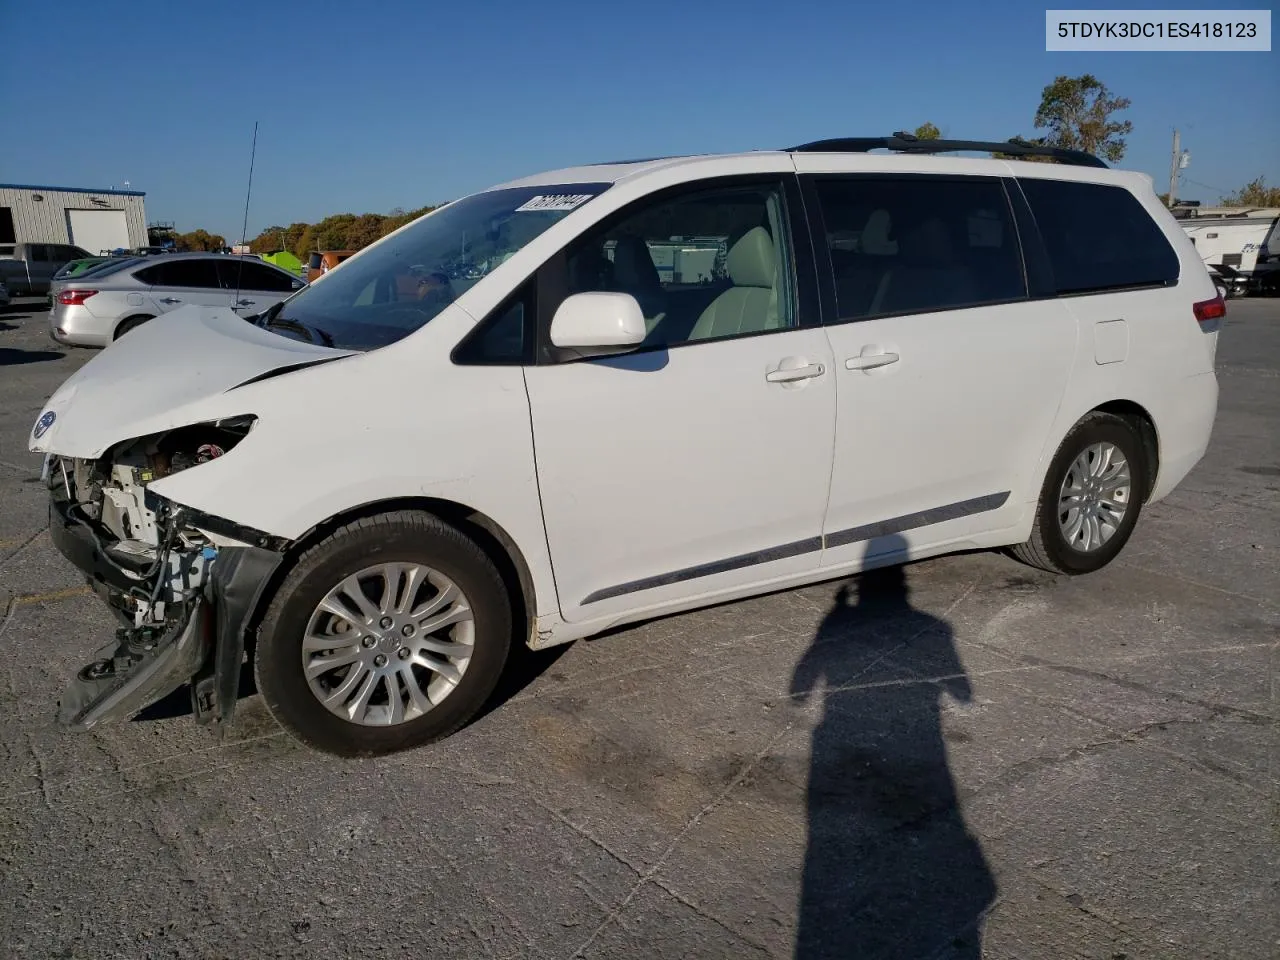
(182, 584)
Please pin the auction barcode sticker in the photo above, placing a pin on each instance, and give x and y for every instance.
(1185, 31)
(555, 201)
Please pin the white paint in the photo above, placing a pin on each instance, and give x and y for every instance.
(613, 471)
(98, 230)
(1110, 341)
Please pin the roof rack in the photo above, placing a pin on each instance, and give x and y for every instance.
(909, 143)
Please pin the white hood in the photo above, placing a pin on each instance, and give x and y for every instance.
(169, 372)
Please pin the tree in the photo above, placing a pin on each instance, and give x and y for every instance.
(305, 244)
(199, 240)
(1079, 113)
(365, 229)
(331, 232)
(397, 220)
(1255, 193)
(927, 131)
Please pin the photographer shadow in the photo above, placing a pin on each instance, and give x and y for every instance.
(891, 870)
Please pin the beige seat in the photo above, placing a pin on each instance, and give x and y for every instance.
(751, 304)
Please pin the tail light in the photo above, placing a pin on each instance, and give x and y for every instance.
(1207, 310)
(75, 298)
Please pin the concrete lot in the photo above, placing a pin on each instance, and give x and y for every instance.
(980, 760)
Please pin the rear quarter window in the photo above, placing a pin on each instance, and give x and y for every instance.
(1099, 237)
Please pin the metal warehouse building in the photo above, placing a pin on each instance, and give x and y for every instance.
(97, 220)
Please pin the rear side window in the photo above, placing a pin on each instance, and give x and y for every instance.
(1099, 237)
(201, 274)
(238, 274)
(918, 244)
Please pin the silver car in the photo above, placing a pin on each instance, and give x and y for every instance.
(106, 302)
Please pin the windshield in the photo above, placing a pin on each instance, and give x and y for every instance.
(392, 290)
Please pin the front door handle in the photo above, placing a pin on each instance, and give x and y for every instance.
(869, 361)
(792, 374)
(170, 300)
(245, 303)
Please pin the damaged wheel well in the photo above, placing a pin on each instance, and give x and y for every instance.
(491, 538)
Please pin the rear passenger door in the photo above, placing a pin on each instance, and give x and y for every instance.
(948, 375)
(254, 286)
(184, 282)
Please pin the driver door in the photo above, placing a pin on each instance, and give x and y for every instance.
(698, 464)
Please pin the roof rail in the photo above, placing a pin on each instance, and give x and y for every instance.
(909, 143)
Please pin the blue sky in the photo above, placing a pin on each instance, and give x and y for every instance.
(369, 106)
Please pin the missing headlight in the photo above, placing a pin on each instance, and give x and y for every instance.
(187, 447)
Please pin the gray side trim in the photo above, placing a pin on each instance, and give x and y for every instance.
(924, 518)
(811, 545)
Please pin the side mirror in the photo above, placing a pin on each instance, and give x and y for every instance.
(597, 323)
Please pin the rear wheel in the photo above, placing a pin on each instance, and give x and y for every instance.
(130, 323)
(387, 635)
(1091, 497)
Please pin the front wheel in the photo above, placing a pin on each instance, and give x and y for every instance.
(387, 635)
(1091, 497)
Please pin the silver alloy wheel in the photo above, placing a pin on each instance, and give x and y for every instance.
(388, 643)
(1094, 496)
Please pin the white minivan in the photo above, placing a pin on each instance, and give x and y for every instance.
(616, 391)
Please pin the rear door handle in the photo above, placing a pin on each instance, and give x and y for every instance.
(170, 300)
(792, 374)
(869, 361)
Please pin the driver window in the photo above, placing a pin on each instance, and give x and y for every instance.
(704, 264)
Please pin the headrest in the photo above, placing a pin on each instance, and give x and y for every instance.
(928, 242)
(875, 235)
(633, 267)
(750, 262)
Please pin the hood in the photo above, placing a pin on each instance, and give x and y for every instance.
(169, 372)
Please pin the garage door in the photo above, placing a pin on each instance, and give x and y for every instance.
(98, 230)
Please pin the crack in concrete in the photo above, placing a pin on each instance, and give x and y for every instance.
(697, 818)
(707, 915)
(22, 545)
(444, 857)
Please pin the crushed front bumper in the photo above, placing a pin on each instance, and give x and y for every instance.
(201, 642)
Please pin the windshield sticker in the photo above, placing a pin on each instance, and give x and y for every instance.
(554, 201)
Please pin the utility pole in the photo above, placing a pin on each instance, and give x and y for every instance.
(1173, 170)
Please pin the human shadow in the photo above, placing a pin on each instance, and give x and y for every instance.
(891, 870)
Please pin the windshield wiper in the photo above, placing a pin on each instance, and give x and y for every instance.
(287, 324)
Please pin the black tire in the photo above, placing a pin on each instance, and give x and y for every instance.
(130, 323)
(1048, 548)
(404, 536)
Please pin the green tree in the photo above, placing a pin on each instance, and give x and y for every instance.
(331, 232)
(365, 229)
(268, 241)
(1255, 193)
(199, 240)
(927, 131)
(396, 220)
(305, 245)
(1079, 114)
